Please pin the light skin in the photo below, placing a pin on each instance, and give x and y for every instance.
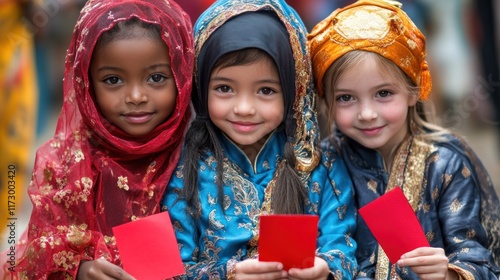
(133, 83)
(135, 90)
(254, 269)
(372, 108)
(246, 103)
(428, 263)
(319, 271)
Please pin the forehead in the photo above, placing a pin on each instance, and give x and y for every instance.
(364, 71)
(263, 68)
(131, 53)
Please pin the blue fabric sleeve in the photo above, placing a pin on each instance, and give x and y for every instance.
(337, 222)
(459, 207)
(188, 235)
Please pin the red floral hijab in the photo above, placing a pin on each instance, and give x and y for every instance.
(91, 176)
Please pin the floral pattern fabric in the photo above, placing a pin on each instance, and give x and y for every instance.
(91, 176)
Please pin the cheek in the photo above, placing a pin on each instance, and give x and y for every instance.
(104, 103)
(276, 117)
(342, 118)
(169, 102)
(398, 114)
(217, 108)
(274, 111)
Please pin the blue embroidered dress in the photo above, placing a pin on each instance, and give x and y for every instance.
(225, 230)
(451, 194)
(221, 235)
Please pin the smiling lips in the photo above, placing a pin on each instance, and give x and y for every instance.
(244, 126)
(138, 117)
(371, 131)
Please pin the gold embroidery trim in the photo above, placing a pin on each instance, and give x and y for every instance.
(407, 172)
(462, 273)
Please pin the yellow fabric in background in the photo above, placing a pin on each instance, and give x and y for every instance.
(18, 105)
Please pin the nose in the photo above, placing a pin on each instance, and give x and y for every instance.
(136, 95)
(245, 105)
(367, 112)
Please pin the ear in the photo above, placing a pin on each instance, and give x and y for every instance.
(413, 99)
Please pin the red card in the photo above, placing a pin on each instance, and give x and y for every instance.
(394, 224)
(148, 248)
(289, 239)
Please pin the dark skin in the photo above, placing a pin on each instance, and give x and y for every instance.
(101, 269)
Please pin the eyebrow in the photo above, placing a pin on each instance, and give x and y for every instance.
(377, 87)
(112, 68)
(224, 79)
(158, 65)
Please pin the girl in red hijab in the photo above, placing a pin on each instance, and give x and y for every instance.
(127, 86)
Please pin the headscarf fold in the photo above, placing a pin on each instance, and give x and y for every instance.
(227, 19)
(91, 176)
(378, 26)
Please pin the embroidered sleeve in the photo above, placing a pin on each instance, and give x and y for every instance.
(459, 207)
(337, 220)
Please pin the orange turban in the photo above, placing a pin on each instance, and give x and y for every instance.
(378, 26)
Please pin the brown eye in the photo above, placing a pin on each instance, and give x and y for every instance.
(384, 93)
(344, 98)
(267, 91)
(157, 78)
(223, 89)
(112, 80)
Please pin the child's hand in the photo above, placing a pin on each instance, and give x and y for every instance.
(428, 262)
(253, 269)
(319, 271)
(101, 269)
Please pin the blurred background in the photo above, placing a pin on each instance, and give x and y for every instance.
(462, 44)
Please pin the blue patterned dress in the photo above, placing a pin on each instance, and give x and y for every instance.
(451, 194)
(231, 233)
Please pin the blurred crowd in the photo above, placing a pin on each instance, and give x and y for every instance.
(34, 35)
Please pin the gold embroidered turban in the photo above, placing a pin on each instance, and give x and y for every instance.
(378, 26)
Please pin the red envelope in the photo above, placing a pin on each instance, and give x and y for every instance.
(148, 248)
(289, 239)
(394, 224)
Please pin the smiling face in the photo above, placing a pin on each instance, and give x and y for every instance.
(133, 83)
(246, 101)
(371, 107)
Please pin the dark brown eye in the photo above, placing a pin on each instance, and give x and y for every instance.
(344, 98)
(112, 80)
(157, 78)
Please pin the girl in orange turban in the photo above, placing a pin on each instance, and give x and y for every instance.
(370, 68)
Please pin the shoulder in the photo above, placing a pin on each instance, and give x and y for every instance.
(453, 147)
(453, 155)
(331, 166)
(328, 147)
(329, 154)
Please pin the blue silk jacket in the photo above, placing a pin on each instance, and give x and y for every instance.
(451, 194)
(230, 234)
